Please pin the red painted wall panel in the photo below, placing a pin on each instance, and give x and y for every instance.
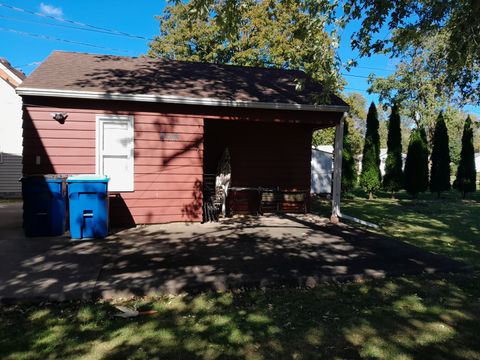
(170, 150)
(168, 160)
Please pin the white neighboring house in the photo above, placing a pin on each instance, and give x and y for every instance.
(321, 169)
(383, 159)
(10, 130)
(477, 162)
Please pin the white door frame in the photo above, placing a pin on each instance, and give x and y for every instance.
(98, 144)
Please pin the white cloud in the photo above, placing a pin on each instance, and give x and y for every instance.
(51, 10)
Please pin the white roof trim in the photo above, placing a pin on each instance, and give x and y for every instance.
(10, 73)
(175, 100)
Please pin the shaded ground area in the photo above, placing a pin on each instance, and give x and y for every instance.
(299, 250)
(415, 317)
(44, 268)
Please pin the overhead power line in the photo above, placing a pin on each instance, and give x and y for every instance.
(354, 89)
(356, 76)
(58, 25)
(374, 68)
(51, 38)
(83, 25)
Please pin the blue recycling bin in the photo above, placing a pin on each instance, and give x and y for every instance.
(44, 205)
(88, 206)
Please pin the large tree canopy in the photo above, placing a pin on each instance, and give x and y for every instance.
(356, 121)
(286, 34)
(410, 21)
(415, 86)
(392, 27)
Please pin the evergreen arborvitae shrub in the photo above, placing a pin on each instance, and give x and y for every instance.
(416, 165)
(466, 172)
(349, 168)
(370, 178)
(424, 164)
(440, 170)
(393, 178)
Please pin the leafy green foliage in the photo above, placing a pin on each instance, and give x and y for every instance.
(356, 118)
(349, 166)
(393, 179)
(410, 22)
(413, 86)
(416, 165)
(370, 178)
(440, 170)
(456, 23)
(283, 34)
(324, 137)
(466, 172)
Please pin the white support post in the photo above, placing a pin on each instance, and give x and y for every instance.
(337, 170)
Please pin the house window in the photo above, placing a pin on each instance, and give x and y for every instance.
(114, 151)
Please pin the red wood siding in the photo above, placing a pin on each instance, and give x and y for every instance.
(269, 148)
(262, 154)
(168, 160)
(269, 155)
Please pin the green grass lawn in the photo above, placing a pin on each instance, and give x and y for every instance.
(401, 318)
(448, 226)
(414, 317)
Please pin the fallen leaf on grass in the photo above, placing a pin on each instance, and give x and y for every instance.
(126, 312)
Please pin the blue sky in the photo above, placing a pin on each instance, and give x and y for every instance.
(24, 42)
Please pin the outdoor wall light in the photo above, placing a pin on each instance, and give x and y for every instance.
(60, 117)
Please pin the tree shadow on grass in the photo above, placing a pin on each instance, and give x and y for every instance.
(421, 317)
(449, 226)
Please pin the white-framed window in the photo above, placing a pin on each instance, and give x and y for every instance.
(115, 152)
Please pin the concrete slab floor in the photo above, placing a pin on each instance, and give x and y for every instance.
(294, 250)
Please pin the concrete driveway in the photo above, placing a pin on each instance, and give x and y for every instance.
(41, 267)
(298, 250)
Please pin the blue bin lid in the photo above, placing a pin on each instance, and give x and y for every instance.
(50, 178)
(88, 178)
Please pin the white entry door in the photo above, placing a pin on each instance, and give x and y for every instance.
(115, 151)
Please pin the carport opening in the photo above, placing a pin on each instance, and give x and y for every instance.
(269, 162)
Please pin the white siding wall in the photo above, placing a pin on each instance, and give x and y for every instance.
(10, 139)
(321, 177)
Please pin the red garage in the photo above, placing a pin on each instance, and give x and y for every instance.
(165, 131)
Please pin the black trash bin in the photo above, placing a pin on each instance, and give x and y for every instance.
(44, 205)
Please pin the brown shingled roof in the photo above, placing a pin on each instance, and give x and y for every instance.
(127, 75)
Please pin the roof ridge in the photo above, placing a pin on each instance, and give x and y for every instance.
(148, 58)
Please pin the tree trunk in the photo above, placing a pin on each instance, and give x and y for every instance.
(392, 195)
(370, 195)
